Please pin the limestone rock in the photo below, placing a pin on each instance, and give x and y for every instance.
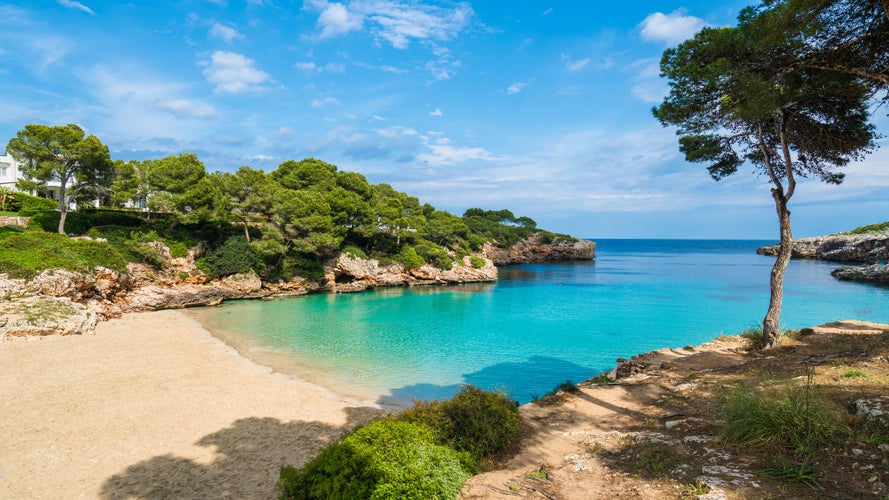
(62, 283)
(868, 248)
(874, 273)
(44, 315)
(538, 249)
(348, 273)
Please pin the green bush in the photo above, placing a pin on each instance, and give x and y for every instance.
(435, 254)
(233, 257)
(476, 261)
(26, 254)
(871, 228)
(386, 459)
(81, 221)
(409, 258)
(479, 423)
(28, 205)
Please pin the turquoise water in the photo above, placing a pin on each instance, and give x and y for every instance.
(539, 325)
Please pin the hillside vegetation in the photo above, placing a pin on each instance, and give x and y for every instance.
(280, 224)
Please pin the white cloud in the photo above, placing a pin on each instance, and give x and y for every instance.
(516, 87)
(648, 87)
(185, 108)
(436, 112)
(335, 67)
(395, 22)
(578, 65)
(309, 67)
(323, 103)
(71, 4)
(234, 74)
(443, 152)
(226, 33)
(336, 20)
(671, 28)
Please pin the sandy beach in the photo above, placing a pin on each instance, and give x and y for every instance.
(152, 406)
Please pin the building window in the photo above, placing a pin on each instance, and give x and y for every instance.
(4, 167)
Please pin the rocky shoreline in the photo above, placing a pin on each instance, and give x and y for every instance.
(866, 254)
(66, 302)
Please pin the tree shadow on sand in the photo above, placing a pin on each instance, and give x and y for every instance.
(520, 380)
(250, 453)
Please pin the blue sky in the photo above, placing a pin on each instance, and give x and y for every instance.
(542, 107)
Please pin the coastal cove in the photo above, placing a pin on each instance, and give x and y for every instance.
(539, 325)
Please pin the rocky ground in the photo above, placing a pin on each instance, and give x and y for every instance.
(654, 432)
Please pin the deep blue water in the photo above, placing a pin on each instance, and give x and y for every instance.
(541, 324)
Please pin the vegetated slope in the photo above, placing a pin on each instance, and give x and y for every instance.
(280, 225)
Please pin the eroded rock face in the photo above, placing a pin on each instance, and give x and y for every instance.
(348, 273)
(874, 273)
(537, 249)
(867, 248)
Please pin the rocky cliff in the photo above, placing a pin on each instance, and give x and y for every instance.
(538, 249)
(868, 251)
(66, 302)
(867, 248)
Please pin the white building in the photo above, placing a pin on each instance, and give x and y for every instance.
(8, 171)
(10, 174)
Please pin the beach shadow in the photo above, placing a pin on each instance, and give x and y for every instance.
(250, 453)
(520, 380)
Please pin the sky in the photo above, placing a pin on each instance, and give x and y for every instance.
(542, 107)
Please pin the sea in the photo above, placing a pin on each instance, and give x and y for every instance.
(538, 326)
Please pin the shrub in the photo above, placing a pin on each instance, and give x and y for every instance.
(409, 258)
(234, 256)
(386, 459)
(435, 254)
(482, 424)
(354, 251)
(25, 254)
(476, 261)
(28, 205)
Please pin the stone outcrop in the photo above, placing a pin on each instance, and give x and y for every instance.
(348, 273)
(44, 315)
(6, 220)
(61, 301)
(874, 273)
(869, 251)
(866, 248)
(539, 249)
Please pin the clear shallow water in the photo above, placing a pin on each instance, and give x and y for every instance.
(539, 325)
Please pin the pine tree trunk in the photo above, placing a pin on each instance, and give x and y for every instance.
(63, 206)
(785, 250)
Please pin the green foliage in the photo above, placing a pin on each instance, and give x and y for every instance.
(480, 423)
(477, 262)
(232, 257)
(790, 471)
(409, 258)
(425, 452)
(434, 254)
(28, 205)
(794, 420)
(64, 154)
(557, 395)
(387, 459)
(871, 229)
(26, 254)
